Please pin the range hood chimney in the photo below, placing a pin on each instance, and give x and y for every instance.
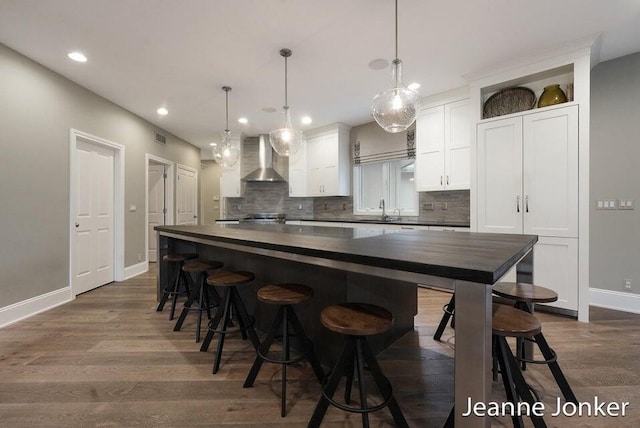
(265, 171)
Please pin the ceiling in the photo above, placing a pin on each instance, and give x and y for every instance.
(143, 54)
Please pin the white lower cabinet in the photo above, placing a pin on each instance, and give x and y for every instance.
(555, 266)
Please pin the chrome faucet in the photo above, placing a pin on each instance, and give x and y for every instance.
(384, 214)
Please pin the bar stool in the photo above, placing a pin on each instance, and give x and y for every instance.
(512, 322)
(285, 296)
(525, 297)
(202, 269)
(181, 278)
(231, 302)
(357, 321)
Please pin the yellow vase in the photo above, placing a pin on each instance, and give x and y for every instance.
(551, 95)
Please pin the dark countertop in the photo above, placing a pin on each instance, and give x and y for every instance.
(476, 257)
(404, 221)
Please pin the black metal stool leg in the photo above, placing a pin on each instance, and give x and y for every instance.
(185, 310)
(264, 349)
(202, 277)
(332, 384)
(226, 301)
(285, 357)
(362, 386)
(521, 385)
(349, 383)
(383, 385)
(246, 320)
(550, 356)
(448, 310)
(176, 289)
(450, 419)
(307, 345)
(509, 385)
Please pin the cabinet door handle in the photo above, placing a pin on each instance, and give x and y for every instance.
(447, 179)
(441, 180)
(518, 203)
(526, 203)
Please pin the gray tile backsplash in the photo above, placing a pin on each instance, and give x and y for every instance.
(437, 207)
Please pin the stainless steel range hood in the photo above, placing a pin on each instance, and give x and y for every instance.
(265, 171)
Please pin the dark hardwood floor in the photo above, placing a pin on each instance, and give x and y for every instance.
(109, 359)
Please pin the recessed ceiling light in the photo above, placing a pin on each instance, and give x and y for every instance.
(243, 120)
(378, 64)
(77, 56)
(162, 111)
(213, 144)
(269, 109)
(306, 120)
(414, 86)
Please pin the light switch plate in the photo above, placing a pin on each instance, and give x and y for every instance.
(625, 204)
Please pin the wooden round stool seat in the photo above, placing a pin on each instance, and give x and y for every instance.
(528, 293)
(179, 257)
(512, 322)
(227, 278)
(356, 319)
(199, 266)
(285, 294)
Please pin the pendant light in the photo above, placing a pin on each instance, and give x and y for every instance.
(396, 109)
(286, 140)
(226, 153)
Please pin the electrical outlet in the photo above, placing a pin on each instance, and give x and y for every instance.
(428, 206)
(299, 206)
(444, 206)
(139, 257)
(627, 284)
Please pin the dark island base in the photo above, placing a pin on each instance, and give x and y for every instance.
(330, 286)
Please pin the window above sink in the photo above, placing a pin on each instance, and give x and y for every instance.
(391, 180)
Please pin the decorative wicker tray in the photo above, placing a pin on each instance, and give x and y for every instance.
(509, 100)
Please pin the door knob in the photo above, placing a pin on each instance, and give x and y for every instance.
(77, 224)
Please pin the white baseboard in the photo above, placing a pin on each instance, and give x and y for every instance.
(626, 302)
(133, 270)
(27, 308)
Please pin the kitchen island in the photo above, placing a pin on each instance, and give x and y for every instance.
(377, 267)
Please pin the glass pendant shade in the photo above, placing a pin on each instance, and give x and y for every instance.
(396, 109)
(227, 153)
(286, 140)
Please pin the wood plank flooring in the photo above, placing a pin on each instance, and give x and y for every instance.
(109, 359)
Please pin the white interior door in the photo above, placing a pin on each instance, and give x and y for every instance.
(157, 206)
(93, 258)
(186, 196)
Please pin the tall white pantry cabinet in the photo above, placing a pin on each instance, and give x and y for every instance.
(527, 182)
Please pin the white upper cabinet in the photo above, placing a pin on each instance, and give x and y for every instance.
(443, 142)
(500, 176)
(550, 187)
(328, 163)
(298, 172)
(528, 174)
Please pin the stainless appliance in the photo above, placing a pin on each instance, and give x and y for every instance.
(265, 171)
(264, 218)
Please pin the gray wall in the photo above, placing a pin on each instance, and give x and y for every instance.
(615, 156)
(209, 188)
(37, 109)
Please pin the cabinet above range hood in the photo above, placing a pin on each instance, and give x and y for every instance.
(265, 171)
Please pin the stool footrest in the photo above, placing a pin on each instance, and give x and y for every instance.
(368, 409)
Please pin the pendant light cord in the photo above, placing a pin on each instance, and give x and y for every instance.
(227, 110)
(286, 102)
(396, 29)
